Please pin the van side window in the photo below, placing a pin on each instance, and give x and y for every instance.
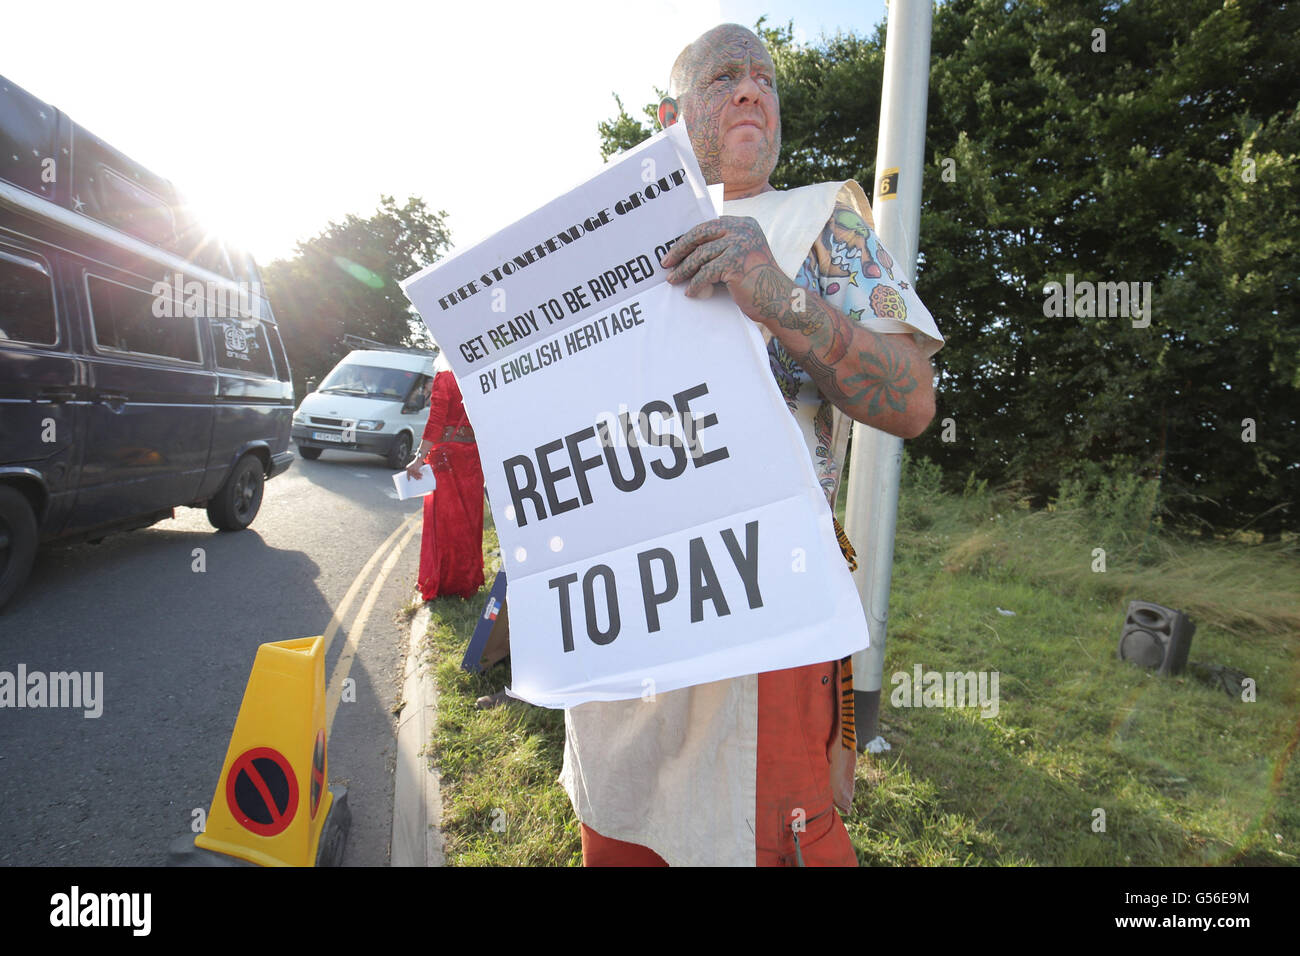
(125, 320)
(241, 346)
(134, 209)
(26, 301)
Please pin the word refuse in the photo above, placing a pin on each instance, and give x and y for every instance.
(522, 478)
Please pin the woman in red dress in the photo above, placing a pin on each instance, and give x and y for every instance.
(451, 549)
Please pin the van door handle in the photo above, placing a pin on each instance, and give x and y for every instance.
(55, 395)
(114, 400)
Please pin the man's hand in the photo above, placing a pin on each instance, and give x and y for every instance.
(731, 250)
(881, 380)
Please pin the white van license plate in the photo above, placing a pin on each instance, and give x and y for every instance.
(326, 436)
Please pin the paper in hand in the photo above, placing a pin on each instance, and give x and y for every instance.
(408, 487)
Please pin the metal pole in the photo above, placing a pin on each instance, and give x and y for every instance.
(871, 512)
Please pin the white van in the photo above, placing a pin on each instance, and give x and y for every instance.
(373, 401)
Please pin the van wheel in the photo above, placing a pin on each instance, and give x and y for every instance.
(311, 454)
(17, 541)
(236, 503)
(399, 456)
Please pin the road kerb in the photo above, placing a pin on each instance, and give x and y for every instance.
(417, 796)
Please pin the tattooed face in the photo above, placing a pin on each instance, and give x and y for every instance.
(725, 85)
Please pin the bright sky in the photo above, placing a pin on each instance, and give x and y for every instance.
(274, 118)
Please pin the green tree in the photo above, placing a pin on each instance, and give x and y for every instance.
(624, 131)
(1113, 165)
(345, 281)
(1162, 149)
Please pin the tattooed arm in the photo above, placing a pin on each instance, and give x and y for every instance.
(882, 380)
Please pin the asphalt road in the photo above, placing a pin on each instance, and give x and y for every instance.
(175, 646)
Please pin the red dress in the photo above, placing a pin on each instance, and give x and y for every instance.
(451, 549)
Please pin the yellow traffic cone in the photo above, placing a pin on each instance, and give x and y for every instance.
(272, 806)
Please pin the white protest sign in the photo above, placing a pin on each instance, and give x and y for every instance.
(658, 513)
(565, 262)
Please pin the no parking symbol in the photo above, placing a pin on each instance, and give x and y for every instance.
(262, 792)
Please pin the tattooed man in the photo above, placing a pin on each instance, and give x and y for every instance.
(749, 771)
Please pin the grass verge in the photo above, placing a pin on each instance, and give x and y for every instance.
(1178, 772)
(502, 805)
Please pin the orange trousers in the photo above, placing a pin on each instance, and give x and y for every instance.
(796, 821)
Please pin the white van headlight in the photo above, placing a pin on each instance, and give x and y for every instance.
(370, 425)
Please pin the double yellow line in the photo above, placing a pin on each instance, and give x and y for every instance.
(402, 535)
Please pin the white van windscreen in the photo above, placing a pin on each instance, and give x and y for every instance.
(370, 381)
